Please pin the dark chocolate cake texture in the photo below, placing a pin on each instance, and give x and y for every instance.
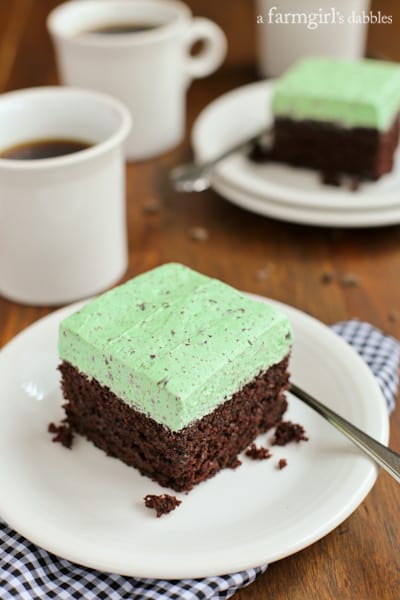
(338, 117)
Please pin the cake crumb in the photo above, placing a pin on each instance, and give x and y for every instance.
(393, 316)
(199, 234)
(350, 280)
(151, 206)
(355, 184)
(327, 277)
(287, 432)
(263, 273)
(331, 178)
(162, 504)
(62, 434)
(258, 453)
(235, 463)
(282, 463)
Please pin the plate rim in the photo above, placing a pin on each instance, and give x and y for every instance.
(236, 564)
(302, 216)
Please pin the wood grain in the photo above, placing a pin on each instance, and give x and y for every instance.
(359, 559)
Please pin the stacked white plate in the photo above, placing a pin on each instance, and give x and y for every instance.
(279, 191)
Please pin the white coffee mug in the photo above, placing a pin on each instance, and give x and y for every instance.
(62, 219)
(149, 71)
(312, 28)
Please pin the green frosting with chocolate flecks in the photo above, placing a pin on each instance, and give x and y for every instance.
(348, 93)
(173, 343)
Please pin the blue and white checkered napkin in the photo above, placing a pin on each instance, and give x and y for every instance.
(29, 573)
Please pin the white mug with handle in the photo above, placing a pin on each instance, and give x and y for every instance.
(63, 234)
(149, 69)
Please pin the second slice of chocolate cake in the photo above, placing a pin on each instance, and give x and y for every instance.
(338, 116)
(174, 373)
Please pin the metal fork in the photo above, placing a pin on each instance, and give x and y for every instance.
(383, 456)
(195, 177)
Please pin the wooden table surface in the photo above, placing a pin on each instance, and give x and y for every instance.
(360, 559)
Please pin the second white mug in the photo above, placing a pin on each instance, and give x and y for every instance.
(293, 29)
(149, 69)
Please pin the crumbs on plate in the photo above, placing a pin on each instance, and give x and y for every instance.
(162, 504)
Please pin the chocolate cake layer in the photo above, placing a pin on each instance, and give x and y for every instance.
(362, 152)
(178, 460)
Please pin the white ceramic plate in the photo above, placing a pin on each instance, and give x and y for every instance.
(306, 216)
(87, 507)
(278, 190)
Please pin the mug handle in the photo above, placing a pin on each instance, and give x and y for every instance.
(214, 51)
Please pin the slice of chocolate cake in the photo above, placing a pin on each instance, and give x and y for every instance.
(338, 116)
(174, 373)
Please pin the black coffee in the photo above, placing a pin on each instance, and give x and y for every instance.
(118, 28)
(49, 148)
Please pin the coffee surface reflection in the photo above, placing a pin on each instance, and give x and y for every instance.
(121, 28)
(48, 148)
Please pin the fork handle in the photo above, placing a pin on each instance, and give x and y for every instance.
(383, 456)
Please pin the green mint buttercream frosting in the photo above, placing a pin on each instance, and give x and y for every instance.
(173, 343)
(362, 93)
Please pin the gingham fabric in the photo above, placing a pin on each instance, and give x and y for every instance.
(30, 573)
(380, 352)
